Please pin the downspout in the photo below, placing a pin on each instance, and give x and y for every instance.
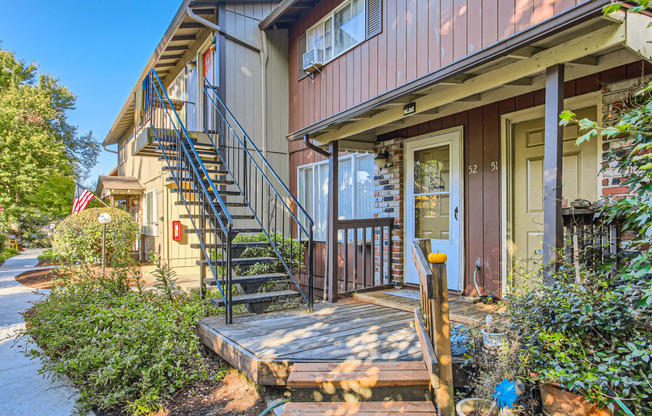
(263, 66)
(109, 150)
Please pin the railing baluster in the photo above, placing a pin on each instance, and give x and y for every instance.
(373, 256)
(346, 259)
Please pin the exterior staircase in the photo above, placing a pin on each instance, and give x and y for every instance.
(368, 388)
(254, 251)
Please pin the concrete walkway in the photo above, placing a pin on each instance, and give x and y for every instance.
(22, 390)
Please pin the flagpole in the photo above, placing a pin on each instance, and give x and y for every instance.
(96, 197)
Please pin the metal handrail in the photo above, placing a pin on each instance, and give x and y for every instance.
(242, 176)
(182, 150)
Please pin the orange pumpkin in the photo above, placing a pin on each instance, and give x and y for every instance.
(437, 257)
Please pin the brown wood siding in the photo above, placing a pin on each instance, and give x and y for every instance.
(418, 37)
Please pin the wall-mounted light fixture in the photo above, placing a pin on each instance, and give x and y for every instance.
(190, 65)
(381, 159)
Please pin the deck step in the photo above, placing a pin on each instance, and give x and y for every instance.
(359, 381)
(412, 408)
(243, 261)
(257, 297)
(254, 278)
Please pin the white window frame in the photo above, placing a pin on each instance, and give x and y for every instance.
(150, 228)
(315, 185)
(331, 16)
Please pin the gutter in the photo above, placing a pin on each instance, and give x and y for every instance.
(572, 17)
(263, 54)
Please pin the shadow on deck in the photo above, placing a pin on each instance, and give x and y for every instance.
(265, 350)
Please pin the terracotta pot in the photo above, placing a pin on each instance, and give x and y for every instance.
(466, 406)
(558, 402)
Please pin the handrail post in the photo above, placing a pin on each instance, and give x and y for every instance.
(310, 271)
(442, 339)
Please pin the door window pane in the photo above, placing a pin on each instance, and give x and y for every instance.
(432, 216)
(432, 170)
(365, 187)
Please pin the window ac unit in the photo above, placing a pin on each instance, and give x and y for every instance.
(313, 59)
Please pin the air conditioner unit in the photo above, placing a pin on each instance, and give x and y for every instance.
(313, 59)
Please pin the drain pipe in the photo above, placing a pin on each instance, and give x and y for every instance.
(109, 150)
(263, 66)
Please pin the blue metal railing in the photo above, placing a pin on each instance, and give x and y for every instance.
(265, 193)
(206, 209)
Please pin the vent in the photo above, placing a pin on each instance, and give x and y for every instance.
(374, 17)
(313, 59)
(301, 50)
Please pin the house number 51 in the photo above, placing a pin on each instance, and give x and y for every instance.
(494, 166)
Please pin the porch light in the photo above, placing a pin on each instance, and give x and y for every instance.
(190, 65)
(381, 159)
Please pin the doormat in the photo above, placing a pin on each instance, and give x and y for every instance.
(405, 293)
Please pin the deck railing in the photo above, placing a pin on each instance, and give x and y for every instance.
(370, 244)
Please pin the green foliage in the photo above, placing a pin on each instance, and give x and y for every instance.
(593, 335)
(39, 151)
(642, 6)
(7, 252)
(123, 349)
(290, 249)
(79, 237)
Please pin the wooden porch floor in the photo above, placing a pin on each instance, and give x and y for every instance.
(349, 330)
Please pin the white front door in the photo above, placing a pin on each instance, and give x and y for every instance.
(433, 201)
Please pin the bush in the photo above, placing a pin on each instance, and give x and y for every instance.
(286, 246)
(123, 349)
(79, 236)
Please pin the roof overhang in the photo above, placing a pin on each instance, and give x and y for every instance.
(286, 13)
(581, 37)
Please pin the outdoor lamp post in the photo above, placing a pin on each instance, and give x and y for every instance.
(104, 219)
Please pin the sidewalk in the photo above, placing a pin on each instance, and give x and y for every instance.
(22, 390)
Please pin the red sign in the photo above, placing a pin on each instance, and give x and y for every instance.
(176, 230)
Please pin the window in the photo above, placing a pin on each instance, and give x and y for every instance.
(356, 190)
(339, 31)
(177, 91)
(149, 223)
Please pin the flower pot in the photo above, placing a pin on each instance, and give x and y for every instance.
(493, 339)
(466, 406)
(558, 402)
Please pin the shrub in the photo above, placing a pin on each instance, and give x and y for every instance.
(286, 247)
(79, 236)
(123, 349)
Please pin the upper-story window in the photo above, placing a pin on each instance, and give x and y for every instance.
(339, 31)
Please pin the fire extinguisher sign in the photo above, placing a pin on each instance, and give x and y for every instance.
(176, 230)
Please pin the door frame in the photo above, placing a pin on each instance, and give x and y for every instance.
(203, 48)
(407, 242)
(507, 160)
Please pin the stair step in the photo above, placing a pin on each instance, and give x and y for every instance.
(219, 192)
(389, 408)
(257, 297)
(215, 181)
(228, 204)
(204, 161)
(254, 278)
(215, 171)
(234, 245)
(363, 374)
(244, 261)
(234, 216)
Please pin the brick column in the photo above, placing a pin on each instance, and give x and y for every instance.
(388, 185)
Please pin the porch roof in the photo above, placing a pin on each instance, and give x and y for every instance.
(581, 38)
(119, 185)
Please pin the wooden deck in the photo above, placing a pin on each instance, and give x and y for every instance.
(471, 314)
(349, 330)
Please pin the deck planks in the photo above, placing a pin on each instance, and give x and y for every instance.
(265, 350)
(360, 409)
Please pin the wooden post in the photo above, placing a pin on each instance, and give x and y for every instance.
(442, 340)
(553, 158)
(333, 207)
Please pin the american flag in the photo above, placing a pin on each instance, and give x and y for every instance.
(82, 198)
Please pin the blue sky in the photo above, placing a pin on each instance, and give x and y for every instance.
(96, 48)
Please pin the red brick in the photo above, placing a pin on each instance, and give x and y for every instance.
(619, 190)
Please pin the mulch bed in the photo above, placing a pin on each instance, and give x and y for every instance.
(37, 279)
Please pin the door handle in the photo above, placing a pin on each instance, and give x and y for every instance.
(457, 209)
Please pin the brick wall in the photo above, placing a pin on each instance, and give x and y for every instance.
(615, 97)
(388, 185)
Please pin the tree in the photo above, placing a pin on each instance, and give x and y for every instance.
(41, 154)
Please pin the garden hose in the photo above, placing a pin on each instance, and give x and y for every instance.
(274, 405)
(478, 266)
(620, 403)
